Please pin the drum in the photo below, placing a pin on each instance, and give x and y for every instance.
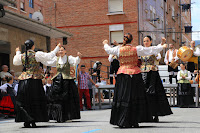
(193, 59)
(184, 53)
(173, 64)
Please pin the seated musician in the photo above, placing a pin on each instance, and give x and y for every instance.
(184, 91)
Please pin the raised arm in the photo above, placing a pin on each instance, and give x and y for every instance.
(110, 50)
(17, 60)
(145, 51)
(75, 60)
(48, 59)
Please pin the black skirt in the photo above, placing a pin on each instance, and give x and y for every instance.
(191, 66)
(185, 95)
(64, 100)
(129, 103)
(31, 103)
(156, 96)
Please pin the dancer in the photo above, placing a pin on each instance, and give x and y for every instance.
(31, 104)
(184, 92)
(171, 56)
(156, 96)
(64, 94)
(129, 103)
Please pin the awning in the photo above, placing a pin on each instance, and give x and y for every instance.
(30, 25)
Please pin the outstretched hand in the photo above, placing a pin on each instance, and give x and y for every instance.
(79, 54)
(105, 42)
(165, 45)
(163, 40)
(59, 45)
(17, 49)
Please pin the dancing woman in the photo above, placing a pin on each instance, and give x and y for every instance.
(31, 104)
(64, 104)
(129, 103)
(158, 103)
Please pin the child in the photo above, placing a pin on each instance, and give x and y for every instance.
(7, 102)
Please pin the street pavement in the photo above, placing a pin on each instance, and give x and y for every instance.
(184, 120)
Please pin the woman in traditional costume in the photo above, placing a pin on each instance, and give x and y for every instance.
(157, 99)
(31, 103)
(130, 105)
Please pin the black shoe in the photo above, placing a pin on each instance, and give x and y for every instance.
(33, 125)
(156, 119)
(136, 125)
(27, 125)
(5, 116)
(89, 109)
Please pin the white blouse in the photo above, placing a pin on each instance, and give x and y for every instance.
(184, 72)
(48, 59)
(4, 87)
(141, 51)
(40, 56)
(196, 52)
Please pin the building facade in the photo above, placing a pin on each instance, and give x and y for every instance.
(91, 22)
(16, 27)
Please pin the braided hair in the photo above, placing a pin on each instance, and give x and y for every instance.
(28, 45)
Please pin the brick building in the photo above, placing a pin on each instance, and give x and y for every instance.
(25, 7)
(91, 22)
(15, 28)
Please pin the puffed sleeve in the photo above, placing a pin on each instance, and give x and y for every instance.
(48, 59)
(197, 52)
(74, 60)
(110, 50)
(3, 88)
(110, 58)
(145, 51)
(158, 57)
(17, 60)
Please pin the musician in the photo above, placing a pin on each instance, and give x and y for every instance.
(171, 56)
(196, 52)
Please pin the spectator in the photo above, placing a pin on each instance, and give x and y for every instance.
(4, 73)
(7, 102)
(184, 90)
(83, 78)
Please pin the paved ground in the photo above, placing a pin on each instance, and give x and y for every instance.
(184, 120)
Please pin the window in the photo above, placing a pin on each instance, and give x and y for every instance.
(173, 34)
(13, 4)
(173, 12)
(166, 7)
(30, 15)
(152, 15)
(22, 7)
(115, 6)
(116, 33)
(31, 4)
